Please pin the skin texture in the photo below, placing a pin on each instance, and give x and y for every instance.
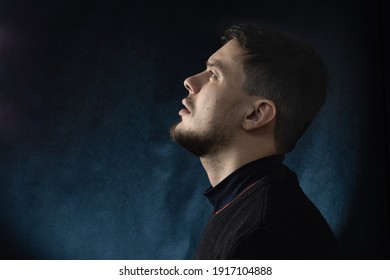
(221, 124)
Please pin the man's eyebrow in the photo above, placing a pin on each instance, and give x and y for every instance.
(214, 63)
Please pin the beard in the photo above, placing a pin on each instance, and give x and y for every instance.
(201, 143)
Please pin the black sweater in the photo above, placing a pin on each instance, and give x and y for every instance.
(271, 219)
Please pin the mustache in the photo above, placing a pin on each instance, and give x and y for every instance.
(190, 103)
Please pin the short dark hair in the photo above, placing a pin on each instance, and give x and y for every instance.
(286, 71)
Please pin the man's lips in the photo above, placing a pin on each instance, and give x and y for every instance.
(184, 111)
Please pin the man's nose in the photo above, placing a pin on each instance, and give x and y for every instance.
(193, 84)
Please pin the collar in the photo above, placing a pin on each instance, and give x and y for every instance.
(240, 181)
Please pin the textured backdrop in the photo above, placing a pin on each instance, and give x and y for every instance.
(89, 90)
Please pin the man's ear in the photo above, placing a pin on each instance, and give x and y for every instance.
(262, 113)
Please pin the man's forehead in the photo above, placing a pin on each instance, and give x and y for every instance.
(231, 51)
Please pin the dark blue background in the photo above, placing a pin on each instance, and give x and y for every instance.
(89, 90)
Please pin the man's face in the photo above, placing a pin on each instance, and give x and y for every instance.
(213, 110)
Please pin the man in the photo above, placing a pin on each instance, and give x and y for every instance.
(256, 97)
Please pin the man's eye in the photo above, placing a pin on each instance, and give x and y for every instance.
(212, 75)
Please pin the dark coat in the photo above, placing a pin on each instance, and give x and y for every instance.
(273, 219)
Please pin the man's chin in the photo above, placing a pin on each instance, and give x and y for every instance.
(190, 141)
(180, 126)
(174, 130)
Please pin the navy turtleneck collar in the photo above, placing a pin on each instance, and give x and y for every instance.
(237, 182)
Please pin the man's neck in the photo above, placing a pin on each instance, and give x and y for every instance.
(221, 165)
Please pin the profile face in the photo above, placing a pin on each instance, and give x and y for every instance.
(216, 103)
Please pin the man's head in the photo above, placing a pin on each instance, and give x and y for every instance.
(286, 71)
(260, 83)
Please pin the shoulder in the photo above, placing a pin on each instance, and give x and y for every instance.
(263, 243)
(285, 223)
